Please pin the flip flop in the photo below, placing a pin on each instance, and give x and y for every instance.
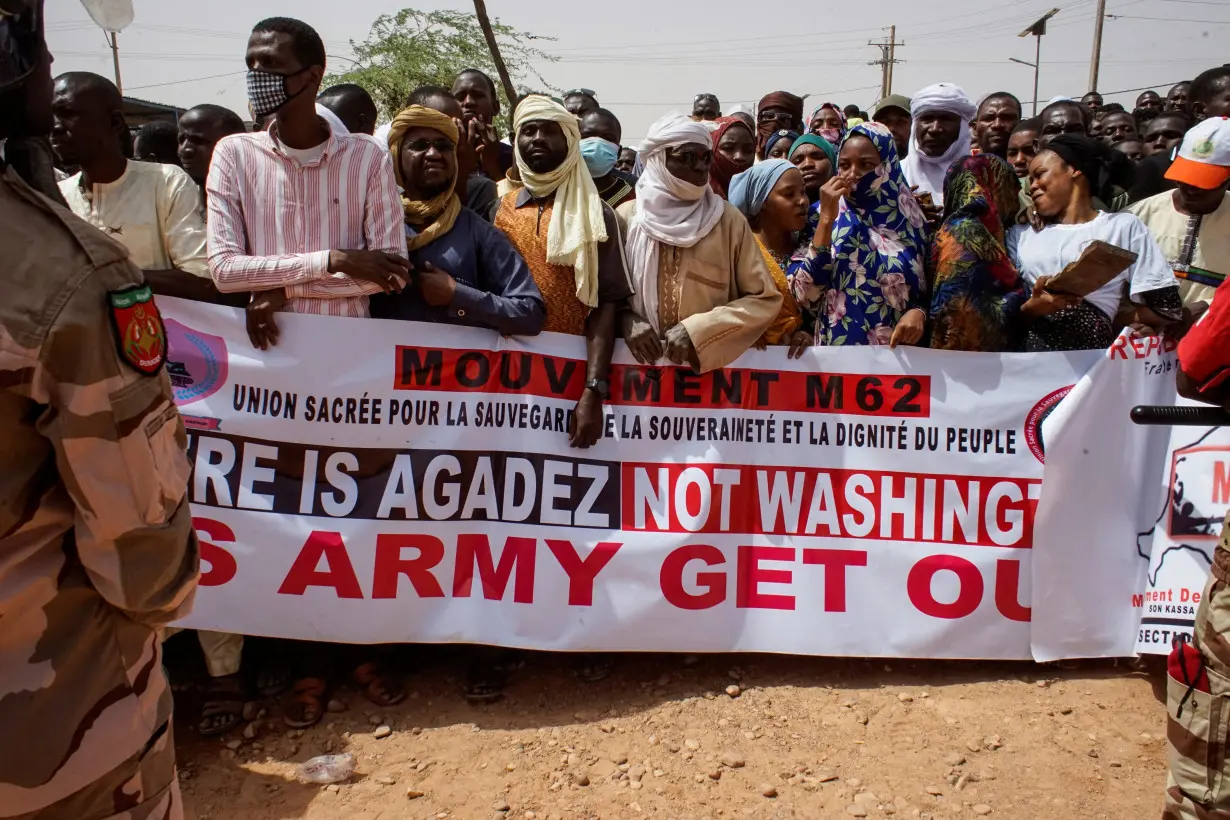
(378, 684)
(594, 667)
(307, 703)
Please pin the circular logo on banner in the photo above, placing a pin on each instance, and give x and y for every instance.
(196, 362)
(1033, 422)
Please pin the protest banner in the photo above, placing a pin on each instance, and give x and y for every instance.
(1102, 484)
(1184, 527)
(374, 481)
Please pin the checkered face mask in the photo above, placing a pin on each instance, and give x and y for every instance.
(267, 91)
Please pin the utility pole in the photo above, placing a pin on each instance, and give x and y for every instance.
(888, 58)
(115, 60)
(892, 59)
(1096, 60)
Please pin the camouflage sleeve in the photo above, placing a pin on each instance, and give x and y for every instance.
(120, 448)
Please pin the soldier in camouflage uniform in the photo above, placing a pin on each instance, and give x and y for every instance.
(96, 544)
(1198, 685)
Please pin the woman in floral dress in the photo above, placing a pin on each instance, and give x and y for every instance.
(861, 276)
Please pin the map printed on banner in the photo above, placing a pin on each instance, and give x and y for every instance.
(383, 481)
(1188, 526)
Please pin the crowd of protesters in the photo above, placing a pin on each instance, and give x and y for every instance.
(934, 220)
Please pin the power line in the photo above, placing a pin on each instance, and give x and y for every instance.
(181, 82)
(1166, 19)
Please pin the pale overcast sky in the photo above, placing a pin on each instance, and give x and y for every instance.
(647, 57)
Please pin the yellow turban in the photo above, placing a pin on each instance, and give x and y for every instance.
(576, 225)
(444, 207)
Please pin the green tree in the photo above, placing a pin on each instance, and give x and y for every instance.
(413, 48)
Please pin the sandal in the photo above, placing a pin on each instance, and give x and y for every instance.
(377, 684)
(222, 705)
(307, 703)
(593, 667)
(485, 682)
(272, 680)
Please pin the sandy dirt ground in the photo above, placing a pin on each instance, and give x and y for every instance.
(724, 736)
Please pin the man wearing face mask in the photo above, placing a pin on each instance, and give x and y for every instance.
(600, 136)
(342, 243)
(942, 114)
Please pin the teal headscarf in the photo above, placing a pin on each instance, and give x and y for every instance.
(750, 189)
(821, 143)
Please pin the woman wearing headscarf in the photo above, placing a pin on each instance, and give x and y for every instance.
(978, 292)
(734, 151)
(1063, 179)
(777, 146)
(941, 135)
(816, 158)
(862, 272)
(828, 121)
(771, 196)
(703, 293)
(779, 111)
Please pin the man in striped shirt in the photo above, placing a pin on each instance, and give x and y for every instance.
(309, 219)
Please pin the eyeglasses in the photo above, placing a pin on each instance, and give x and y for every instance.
(688, 157)
(421, 146)
(775, 116)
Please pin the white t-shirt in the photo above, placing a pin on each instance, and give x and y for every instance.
(1050, 250)
(304, 156)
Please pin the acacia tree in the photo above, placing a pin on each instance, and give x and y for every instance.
(413, 48)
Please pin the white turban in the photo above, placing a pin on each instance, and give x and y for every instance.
(928, 172)
(668, 210)
(577, 224)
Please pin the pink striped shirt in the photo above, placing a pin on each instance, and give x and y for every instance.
(272, 221)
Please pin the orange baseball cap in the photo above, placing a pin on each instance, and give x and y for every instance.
(1203, 160)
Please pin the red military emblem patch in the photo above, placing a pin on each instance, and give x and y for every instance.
(141, 337)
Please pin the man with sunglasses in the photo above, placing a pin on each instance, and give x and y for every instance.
(465, 271)
(97, 550)
(276, 226)
(703, 292)
(580, 101)
(706, 108)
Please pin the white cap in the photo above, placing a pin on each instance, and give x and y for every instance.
(1204, 155)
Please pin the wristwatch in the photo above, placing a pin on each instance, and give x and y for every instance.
(600, 386)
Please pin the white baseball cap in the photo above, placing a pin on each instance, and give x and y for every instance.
(1204, 157)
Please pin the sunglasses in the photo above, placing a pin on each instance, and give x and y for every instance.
(587, 92)
(420, 146)
(774, 116)
(690, 158)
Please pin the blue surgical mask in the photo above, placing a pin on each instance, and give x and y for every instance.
(600, 155)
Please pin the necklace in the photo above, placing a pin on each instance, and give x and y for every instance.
(782, 260)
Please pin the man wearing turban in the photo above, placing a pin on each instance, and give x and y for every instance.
(464, 271)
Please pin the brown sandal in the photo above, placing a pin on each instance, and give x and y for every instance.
(377, 684)
(307, 703)
(222, 706)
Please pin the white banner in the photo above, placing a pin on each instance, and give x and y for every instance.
(1184, 527)
(379, 481)
(1103, 483)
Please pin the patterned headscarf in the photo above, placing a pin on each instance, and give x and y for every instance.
(834, 137)
(722, 169)
(977, 288)
(442, 209)
(577, 224)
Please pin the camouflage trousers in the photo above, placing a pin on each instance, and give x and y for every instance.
(144, 787)
(1198, 717)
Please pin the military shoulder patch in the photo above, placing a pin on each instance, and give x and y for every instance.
(140, 335)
